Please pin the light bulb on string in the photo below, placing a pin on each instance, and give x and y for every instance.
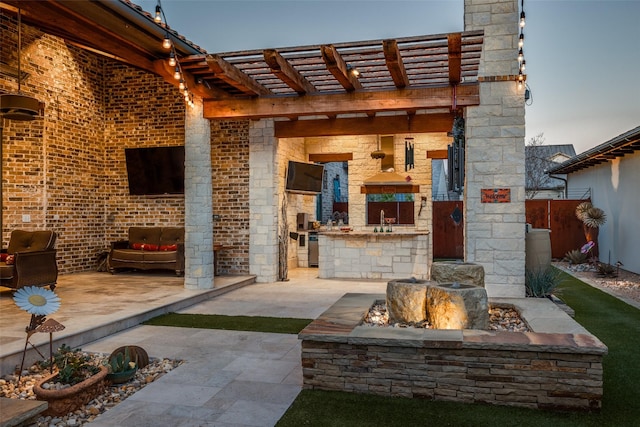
(166, 43)
(523, 66)
(181, 86)
(520, 55)
(177, 74)
(172, 59)
(521, 40)
(522, 20)
(186, 92)
(158, 17)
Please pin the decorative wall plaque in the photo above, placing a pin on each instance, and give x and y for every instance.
(496, 195)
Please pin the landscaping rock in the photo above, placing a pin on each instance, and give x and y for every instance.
(457, 306)
(406, 300)
(462, 272)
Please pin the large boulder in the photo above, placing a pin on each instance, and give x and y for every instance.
(461, 272)
(406, 300)
(457, 306)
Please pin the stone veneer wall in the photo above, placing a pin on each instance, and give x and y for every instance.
(495, 232)
(532, 379)
(264, 201)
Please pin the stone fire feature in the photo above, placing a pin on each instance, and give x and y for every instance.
(559, 366)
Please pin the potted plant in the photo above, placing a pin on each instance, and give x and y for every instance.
(122, 367)
(592, 219)
(78, 380)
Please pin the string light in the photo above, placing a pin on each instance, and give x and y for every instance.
(521, 61)
(159, 18)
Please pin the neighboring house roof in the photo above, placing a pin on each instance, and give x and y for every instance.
(626, 143)
(539, 158)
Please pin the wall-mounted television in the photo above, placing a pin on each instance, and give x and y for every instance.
(304, 178)
(155, 171)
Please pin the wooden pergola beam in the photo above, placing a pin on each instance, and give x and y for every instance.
(393, 58)
(234, 77)
(347, 103)
(162, 68)
(336, 66)
(422, 123)
(287, 73)
(454, 41)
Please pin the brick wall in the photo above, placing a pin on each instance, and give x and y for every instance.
(230, 165)
(52, 166)
(67, 169)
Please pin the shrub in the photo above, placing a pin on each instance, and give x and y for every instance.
(575, 256)
(541, 283)
(606, 270)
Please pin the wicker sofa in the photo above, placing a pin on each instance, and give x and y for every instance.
(149, 248)
(29, 260)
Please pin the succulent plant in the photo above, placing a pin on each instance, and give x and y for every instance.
(121, 362)
(575, 256)
(581, 209)
(594, 217)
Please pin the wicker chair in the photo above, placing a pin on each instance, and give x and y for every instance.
(30, 260)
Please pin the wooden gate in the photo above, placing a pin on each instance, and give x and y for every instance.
(558, 216)
(555, 215)
(448, 236)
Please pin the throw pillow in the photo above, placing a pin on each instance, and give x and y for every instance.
(168, 248)
(3, 256)
(10, 259)
(144, 246)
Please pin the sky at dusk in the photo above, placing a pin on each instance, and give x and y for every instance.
(582, 56)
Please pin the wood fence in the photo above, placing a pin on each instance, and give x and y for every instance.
(556, 215)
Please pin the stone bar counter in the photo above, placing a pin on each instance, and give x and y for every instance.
(368, 255)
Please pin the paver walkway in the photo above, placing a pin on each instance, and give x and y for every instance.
(229, 378)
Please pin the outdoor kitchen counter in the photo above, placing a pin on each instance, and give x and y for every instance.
(368, 255)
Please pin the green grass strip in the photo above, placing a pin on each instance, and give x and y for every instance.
(616, 323)
(278, 325)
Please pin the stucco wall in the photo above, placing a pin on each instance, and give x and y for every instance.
(614, 188)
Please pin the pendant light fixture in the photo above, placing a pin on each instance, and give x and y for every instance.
(17, 106)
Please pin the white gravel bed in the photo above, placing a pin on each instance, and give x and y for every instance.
(114, 394)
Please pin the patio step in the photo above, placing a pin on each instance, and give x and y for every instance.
(15, 412)
(12, 359)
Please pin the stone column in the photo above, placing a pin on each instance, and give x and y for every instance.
(263, 201)
(495, 232)
(198, 209)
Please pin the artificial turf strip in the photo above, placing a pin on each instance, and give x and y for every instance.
(614, 322)
(278, 325)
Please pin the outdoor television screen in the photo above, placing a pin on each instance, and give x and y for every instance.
(305, 178)
(154, 171)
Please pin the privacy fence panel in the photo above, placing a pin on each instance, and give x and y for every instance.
(558, 216)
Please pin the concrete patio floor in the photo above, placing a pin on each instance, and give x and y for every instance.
(98, 304)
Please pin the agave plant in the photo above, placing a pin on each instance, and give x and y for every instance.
(581, 209)
(576, 256)
(594, 217)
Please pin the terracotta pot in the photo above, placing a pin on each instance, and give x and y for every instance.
(61, 402)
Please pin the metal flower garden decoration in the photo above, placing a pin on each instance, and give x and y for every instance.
(36, 300)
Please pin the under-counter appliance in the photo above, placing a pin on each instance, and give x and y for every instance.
(302, 221)
(313, 249)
